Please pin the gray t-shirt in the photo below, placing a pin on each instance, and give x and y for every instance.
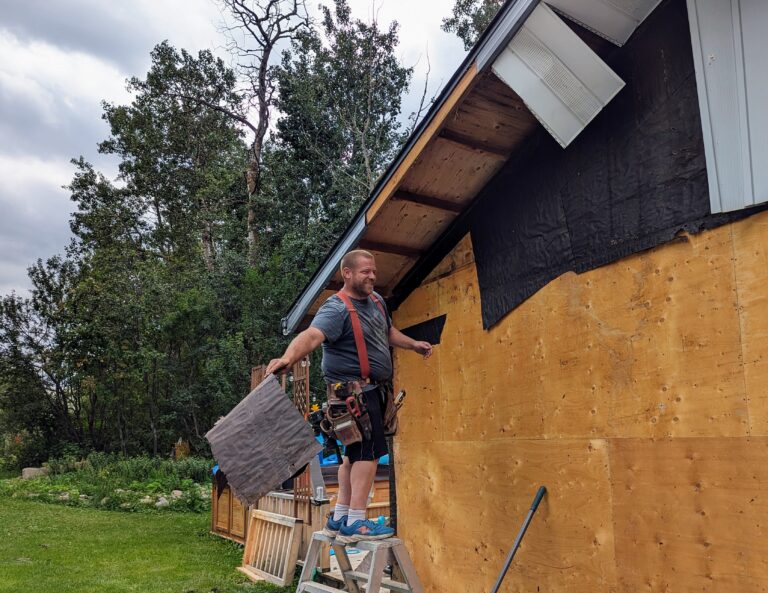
(340, 360)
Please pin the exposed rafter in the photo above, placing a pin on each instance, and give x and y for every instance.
(438, 203)
(473, 143)
(389, 248)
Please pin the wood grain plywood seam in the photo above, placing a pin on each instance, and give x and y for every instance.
(462, 88)
(610, 456)
(740, 313)
(446, 274)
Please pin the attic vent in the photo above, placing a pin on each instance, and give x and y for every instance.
(615, 20)
(554, 74)
(563, 82)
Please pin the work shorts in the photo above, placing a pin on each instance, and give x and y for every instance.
(375, 447)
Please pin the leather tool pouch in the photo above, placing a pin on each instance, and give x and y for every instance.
(349, 428)
(344, 424)
(389, 409)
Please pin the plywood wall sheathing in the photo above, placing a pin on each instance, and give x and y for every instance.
(461, 255)
(471, 499)
(635, 392)
(751, 270)
(690, 514)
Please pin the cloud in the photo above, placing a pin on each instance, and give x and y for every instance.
(121, 33)
(50, 99)
(35, 220)
(59, 60)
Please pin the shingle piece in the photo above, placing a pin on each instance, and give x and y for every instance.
(262, 442)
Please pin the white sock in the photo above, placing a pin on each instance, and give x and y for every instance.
(355, 515)
(340, 511)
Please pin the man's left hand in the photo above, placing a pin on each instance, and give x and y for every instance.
(424, 348)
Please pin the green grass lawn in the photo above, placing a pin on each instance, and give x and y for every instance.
(56, 549)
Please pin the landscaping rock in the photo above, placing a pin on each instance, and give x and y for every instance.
(146, 500)
(126, 505)
(33, 472)
(162, 502)
(33, 495)
(84, 497)
(104, 501)
(64, 496)
(177, 494)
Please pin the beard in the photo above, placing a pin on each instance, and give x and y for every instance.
(363, 287)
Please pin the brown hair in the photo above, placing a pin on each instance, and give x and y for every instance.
(350, 259)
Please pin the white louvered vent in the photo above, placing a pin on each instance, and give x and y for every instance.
(563, 82)
(615, 20)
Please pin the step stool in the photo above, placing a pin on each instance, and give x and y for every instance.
(373, 580)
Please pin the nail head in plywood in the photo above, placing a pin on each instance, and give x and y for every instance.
(564, 83)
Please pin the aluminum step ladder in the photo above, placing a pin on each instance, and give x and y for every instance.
(373, 580)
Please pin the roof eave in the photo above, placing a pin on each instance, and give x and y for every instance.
(504, 26)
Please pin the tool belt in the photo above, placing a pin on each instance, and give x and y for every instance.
(389, 405)
(347, 413)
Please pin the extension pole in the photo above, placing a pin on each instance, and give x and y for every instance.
(536, 500)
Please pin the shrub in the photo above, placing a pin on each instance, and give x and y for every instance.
(109, 481)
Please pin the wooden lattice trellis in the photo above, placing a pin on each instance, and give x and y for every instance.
(302, 484)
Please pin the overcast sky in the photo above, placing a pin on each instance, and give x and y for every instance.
(60, 59)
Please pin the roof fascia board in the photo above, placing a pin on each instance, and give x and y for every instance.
(323, 276)
(503, 33)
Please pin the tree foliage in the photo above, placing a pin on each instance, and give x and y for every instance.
(470, 18)
(145, 329)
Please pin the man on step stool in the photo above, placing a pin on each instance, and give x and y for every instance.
(347, 361)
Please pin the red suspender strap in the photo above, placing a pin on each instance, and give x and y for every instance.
(380, 306)
(357, 331)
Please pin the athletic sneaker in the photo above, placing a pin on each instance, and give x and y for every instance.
(332, 527)
(363, 530)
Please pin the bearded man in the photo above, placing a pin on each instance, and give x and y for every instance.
(333, 327)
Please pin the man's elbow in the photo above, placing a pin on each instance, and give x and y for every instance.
(314, 337)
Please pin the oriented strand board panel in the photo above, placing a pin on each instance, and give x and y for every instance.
(462, 504)
(451, 171)
(648, 346)
(750, 240)
(690, 514)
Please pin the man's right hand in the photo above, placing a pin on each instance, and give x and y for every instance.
(277, 364)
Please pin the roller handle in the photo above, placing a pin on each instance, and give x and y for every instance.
(537, 499)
